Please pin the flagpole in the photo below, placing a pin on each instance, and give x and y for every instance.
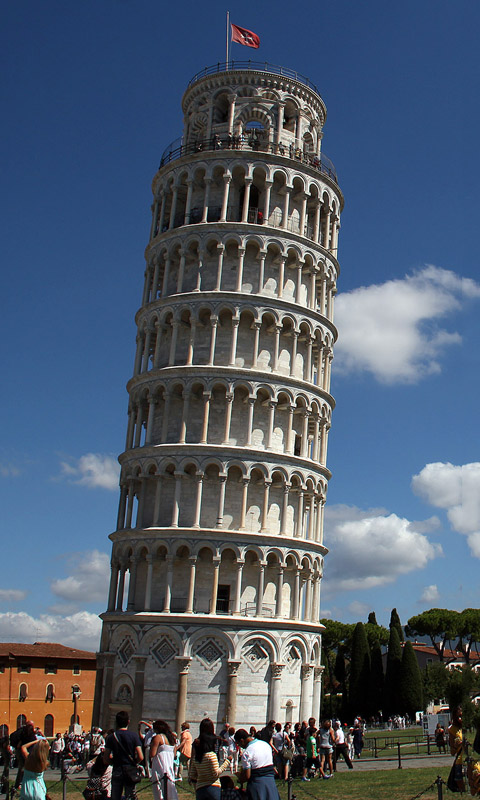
(228, 25)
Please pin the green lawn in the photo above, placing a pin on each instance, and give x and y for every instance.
(393, 784)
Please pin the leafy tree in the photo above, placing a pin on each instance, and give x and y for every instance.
(392, 674)
(468, 631)
(439, 624)
(434, 682)
(359, 672)
(395, 621)
(376, 634)
(375, 690)
(372, 620)
(335, 635)
(460, 683)
(411, 689)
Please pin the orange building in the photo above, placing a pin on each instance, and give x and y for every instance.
(38, 681)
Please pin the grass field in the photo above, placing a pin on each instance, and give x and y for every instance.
(394, 784)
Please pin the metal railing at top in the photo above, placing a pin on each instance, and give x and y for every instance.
(254, 66)
(254, 143)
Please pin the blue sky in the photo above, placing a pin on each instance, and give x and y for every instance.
(91, 96)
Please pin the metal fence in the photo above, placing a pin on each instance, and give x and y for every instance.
(253, 66)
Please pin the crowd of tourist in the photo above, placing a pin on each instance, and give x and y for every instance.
(213, 762)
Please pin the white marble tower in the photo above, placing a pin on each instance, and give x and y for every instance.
(218, 554)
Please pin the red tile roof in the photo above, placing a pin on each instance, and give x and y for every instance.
(43, 650)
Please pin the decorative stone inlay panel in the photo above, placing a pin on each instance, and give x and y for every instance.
(126, 651)
(293, 658)
(163, 651)
(256, 656)
(210, 652)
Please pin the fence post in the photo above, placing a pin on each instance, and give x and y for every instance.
(439, 783)
(428, 744)
(289, 786)
(63, 775)
(399, 756)
(375, 747)
(165, 786)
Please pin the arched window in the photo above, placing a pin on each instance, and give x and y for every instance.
(50, 694)
(48, 725)
(3, 730)
(21, 720)
(22, 692)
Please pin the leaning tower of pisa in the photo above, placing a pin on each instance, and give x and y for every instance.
(218, 554)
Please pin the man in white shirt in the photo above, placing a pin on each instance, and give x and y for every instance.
(341, 747)
(257, 767)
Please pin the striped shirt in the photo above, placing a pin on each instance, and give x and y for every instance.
(207, 772)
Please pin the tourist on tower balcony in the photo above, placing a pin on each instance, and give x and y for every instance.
(256, 767)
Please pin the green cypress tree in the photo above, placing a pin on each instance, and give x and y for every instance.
(392, 674)
(395, 621)
(372, 618)
(411, 689)
(375, 694)
(359, 672)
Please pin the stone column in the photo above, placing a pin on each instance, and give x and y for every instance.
(295, 335)
(206, 411)
(185, 417)
(148, 585)
(191, 585)
(181, 710)
(290, 432)
(308, 598)
(316, 222)
(275, 690)
(314, 613)
(296, 595)
(161, 218)
(198, 499)
(138, 691)
(306, 691)
(113, 586)
(286, 201)
(271, 422)
(231, 116)
(122, 507)
(233, 348)
(246, 199)
(284, 510)
(298, 292)
(243, 511)
(221, 500)
(173, 343)
(238, 587)
(278, 132)
(191, 341)
(188, 202)
(216, 571)
(223, 214)
(206, 199)
(150, 419)
(228, 416)
(146, 349)
(241, 256)
(221, 251)
(155, 279)
(317, 691)
(303, 213)
(166, 275)
(166, 415)
(231, 703)
(256, 343)
(168, 584)
(279, 598)
(276, 348)
(261, 270)
(176, 499)
(266, 205)
(130, 499)
(266, 493)
(121, 587)
(132, 584)
(260, 588)
(213, 323)
(299, 521)
(181, 271)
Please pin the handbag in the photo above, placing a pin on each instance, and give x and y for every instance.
(288, 753)
(132, 772)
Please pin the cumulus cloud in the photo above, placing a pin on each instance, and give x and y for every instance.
(372, 548)
(359, 609)
(94, 470)
(391, 329)
(430, 594)
(9, 470)
(80, 630)
(455, 488)
(88, 582)
(12, 595)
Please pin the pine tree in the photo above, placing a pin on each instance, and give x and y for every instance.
(395, 621)
(375, 693)
(359, 672)
(411, 689)
(392, 674)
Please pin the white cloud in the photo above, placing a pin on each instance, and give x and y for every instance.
(88, 582)
(8, 470)
(94, 470)
(372, 548)
(390, 329)
(456, 489)
(359, 609)
(80, 630)
(430, 594)
(12, 595)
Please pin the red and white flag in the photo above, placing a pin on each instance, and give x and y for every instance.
(244, 36)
